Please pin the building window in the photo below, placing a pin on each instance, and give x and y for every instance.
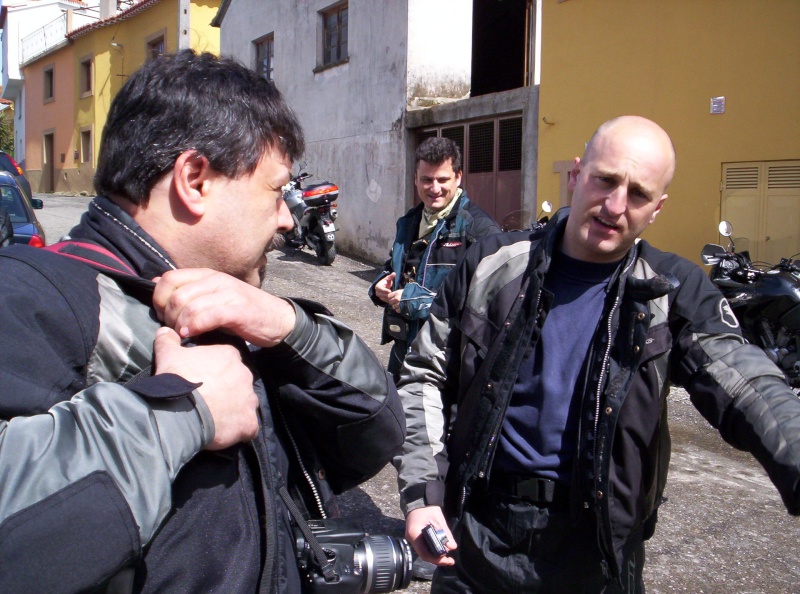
(265, 56)
(49, 83)
(86, 146)
(334, 35)
(155, 47)
(85, 77)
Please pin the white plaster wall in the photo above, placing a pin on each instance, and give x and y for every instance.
(439, 50)
(352, 114)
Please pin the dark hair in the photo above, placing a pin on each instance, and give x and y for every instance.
(187, 101)
(436, 150)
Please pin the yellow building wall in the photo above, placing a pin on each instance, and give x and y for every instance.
(665, 60)
(203, 37)
(113, 64)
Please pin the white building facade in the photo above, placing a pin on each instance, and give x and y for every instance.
(369, 80)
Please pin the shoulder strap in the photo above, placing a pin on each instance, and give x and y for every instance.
(93, 255)
(96, 256)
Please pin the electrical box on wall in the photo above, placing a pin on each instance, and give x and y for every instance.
(717, 105)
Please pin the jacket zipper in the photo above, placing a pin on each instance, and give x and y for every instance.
(603, 372)
(598, 393)
(306, 474)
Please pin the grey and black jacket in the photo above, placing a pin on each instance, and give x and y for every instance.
(115, 478)
(664, 323)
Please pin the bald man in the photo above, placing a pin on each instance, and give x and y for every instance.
(535, 395)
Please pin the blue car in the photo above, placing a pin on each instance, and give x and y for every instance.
(15, 201)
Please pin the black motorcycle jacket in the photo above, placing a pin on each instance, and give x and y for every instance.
(663, 324)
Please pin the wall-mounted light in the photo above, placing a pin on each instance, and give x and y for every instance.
(548, 121)
(116, 45)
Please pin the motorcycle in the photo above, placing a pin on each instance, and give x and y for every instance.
(764, 299)
(520, 220)
(313, 209)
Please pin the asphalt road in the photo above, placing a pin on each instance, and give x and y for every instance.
(723, 528)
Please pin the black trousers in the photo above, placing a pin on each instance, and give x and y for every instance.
(509, 546)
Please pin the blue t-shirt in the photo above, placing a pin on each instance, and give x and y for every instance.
(539, 433)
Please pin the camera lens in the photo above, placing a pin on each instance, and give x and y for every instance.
(385, 562)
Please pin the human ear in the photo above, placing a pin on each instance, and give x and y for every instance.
(573, 174)
(658, 207)
(191, 175)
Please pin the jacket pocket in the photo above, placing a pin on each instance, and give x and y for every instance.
(395, 325)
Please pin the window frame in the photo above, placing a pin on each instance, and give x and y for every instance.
(86, 132)
(150, 43)
(49, 83)
(325, 57)
(86, 76)
(265, 65)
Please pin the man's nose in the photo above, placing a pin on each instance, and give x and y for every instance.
(616, 201)
(436, 187)
(285, 220)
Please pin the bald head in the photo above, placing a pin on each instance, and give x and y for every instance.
(642, 136)
(619, 186)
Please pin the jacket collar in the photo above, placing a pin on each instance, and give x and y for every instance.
(108, 225)
(640, 289)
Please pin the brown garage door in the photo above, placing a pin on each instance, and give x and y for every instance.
(492, 153)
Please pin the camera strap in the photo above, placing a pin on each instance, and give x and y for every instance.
(322, 559)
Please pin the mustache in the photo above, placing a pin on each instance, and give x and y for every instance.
(277, 242)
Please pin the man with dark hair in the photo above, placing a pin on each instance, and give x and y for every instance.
(536, 393)
(192, 160)
(431, 238)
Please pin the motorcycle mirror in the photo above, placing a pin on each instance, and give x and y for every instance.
(547, 206)
(725, 229)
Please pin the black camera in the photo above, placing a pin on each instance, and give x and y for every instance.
(361, 562)
(435, 539)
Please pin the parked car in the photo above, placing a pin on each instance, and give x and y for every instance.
(13, 199)
(7, 163)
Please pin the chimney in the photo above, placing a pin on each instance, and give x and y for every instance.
(108, 8)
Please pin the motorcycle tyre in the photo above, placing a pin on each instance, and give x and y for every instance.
(326, 250)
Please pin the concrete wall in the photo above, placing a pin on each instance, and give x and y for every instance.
(352, 113)
(665, 60)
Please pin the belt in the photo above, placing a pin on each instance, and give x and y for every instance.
(540, 491)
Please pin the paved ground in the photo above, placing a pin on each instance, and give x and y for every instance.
(723, 528)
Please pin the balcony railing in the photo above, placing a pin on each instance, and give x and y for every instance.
(44, 39)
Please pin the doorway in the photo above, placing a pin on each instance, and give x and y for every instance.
(48, 163)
